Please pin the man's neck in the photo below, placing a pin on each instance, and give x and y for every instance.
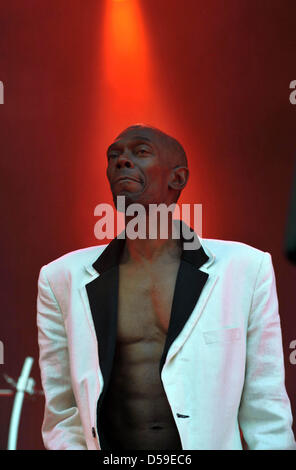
(148, 250)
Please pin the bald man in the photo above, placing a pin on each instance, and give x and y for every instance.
(136, 406)
(146, 345)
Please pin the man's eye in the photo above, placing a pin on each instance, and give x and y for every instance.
(142, 150)
(111, 155)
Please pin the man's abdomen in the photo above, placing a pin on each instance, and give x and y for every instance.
(136, 410)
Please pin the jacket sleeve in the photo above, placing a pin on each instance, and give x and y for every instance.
(61, 428)
(265, 414)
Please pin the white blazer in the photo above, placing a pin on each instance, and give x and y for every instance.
(222, 366)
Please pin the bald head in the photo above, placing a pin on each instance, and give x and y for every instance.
(174, 152)
(160, 166)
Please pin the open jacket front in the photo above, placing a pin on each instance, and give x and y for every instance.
(222, 365)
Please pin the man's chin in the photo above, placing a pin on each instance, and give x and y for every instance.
(125, 199)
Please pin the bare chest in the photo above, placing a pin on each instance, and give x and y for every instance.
(145, 302)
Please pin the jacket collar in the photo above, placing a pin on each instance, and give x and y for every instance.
(197, 257)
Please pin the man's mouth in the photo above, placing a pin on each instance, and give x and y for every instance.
(123, 179)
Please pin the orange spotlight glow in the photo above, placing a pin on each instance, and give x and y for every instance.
(126, 64)
(127, 91)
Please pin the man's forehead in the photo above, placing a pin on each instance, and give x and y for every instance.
(145, 134)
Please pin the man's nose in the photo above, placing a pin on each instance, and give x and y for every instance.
(124, 160)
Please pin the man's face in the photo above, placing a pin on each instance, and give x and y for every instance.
(137, 167)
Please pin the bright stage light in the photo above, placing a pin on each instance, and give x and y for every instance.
(126, 64)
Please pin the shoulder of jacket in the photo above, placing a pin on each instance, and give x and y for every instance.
(74, 260)
(227, 250)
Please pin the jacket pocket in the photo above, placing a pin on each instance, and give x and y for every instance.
(223, 335)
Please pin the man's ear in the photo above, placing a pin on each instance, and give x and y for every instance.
(178, 177)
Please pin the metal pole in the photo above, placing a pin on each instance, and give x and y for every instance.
(18, 403)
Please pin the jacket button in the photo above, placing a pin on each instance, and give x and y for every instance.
(93, 431)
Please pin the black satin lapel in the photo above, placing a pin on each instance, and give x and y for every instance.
(103, 298)
(189, 285)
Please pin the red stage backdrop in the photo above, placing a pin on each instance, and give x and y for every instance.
(214, 74)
